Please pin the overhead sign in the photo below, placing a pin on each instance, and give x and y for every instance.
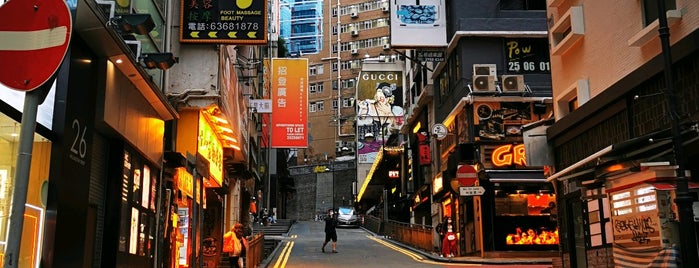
(34, 38)
(466, 175)
(234, 22)
(430, 55)
(261, 106)
(471, 191)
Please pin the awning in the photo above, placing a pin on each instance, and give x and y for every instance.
(527, 175)
(669, 186)
(648, 147)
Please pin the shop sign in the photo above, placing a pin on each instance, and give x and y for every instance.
(234, 22)
(508, 155)
(183, 180)
(425, 154)
(394, 174)
(211, 149)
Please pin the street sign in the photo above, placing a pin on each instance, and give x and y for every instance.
(471, 191)
(466, 175)
(439, 131)
(34, 38)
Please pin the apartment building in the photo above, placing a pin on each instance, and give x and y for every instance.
(615, 130)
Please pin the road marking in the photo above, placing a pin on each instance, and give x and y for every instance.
(415, 256)
(33, 40)
(284, 256)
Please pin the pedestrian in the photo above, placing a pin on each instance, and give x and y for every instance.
(235, 244)
(330, 231)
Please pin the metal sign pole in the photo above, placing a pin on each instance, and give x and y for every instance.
(32, 99)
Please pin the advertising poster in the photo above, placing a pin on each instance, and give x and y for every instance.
(289, 103)
(233, 22)
(379, 111)
(418, 23)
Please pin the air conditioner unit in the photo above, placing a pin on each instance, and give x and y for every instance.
(385, 8)
(512, 83)
(355, 32)
(485, 69)
(386, 46)
(353, 14)
(354, 51)
(484, 83)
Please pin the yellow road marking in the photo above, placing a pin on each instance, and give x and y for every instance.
(415, 256)
(284, 256)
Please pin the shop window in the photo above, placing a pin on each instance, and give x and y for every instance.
(525, 218)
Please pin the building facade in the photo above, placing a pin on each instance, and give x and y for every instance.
(612, 137)
(493, 81)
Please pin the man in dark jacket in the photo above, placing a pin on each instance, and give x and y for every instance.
(330, 232)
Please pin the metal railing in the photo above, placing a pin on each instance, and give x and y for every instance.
(415, 235)
(255, 251)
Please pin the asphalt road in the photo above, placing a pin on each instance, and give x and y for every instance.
(356, 248)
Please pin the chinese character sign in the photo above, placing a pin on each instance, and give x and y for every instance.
(289, 78)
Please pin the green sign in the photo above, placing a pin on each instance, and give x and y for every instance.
(223, 21)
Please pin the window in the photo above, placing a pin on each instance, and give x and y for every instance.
(312, 107)
(334, 104)
(347, 102)
(312, 88)
(319, 69)
(320, 106)
(312, 70)
(569, 29)
(650, 10)
(319, 87)
(573, 97)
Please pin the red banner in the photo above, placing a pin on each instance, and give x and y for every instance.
(289, 103)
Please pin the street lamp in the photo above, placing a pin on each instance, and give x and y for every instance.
(688, 243)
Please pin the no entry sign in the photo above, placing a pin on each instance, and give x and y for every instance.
(34, 38)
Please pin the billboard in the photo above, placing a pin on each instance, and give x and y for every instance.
(234, 22)
(379, 111)
(289, 103)
(418, 23)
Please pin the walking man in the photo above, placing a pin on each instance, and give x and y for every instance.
(330, 231)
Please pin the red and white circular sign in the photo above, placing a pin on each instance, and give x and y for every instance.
(34, 38)
(466, 175)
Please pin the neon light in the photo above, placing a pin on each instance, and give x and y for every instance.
(507, 155)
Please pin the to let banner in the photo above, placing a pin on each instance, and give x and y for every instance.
(289, 103)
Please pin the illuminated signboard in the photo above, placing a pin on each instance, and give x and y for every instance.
(213, 21)
(184, 181)
(393, 174)
(508, 155)
(211, 149)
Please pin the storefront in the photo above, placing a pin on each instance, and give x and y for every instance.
(35, 207)
(205, 137)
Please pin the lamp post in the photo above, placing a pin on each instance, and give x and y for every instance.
(688, 244)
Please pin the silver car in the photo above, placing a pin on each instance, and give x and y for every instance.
(347, 217)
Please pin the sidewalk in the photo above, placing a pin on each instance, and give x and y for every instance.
(468, 259)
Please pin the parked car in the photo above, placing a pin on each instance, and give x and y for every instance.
(347, 217)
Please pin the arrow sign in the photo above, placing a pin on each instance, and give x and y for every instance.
(252, 34)
(471, 191)
(212, 34)
(194, 34)
(232, 34)
(34, 38)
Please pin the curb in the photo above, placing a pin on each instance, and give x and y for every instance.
(467, 260)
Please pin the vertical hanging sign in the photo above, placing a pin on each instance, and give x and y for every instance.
(289, 103)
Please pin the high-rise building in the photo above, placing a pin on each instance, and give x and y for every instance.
(350, 31)
(301, 25)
